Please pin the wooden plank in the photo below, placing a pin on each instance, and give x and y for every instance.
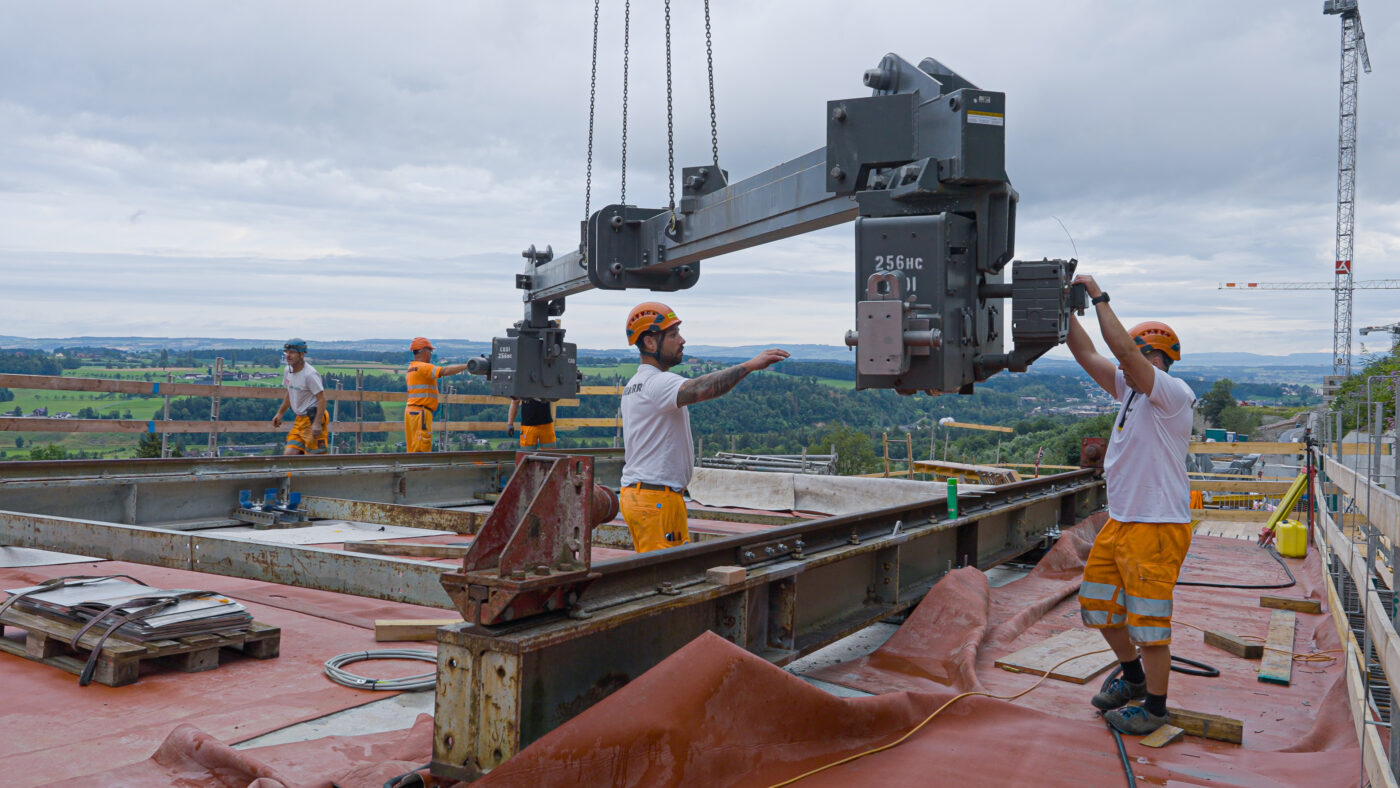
(1234, 515)
(131, 426)
(1291, 603)
(1250, 447)
(1232, 644)
(1162, 736)
(1276, 667)
(389, 630)
(1254, 486)
(273, 391)
(409, 549)
(1381, 506)
(1042, 656)
(966, 426)
(1207, 726)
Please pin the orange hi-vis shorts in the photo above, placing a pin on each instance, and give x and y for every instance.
(300, 438)
(417, 428)
(655, 518)
(540, 435)
(1129, 578)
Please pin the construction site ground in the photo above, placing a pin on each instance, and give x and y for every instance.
(712, 714)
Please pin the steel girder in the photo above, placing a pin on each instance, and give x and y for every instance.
(808, 585)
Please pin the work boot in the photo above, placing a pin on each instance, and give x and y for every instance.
(1135, 720)
(1117, 693)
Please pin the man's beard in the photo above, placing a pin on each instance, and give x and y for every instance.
(672, 359)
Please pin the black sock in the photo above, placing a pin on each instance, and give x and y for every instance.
(1132, 671)
(1156, 705)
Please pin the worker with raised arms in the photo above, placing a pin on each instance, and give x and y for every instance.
(1132, 569)
(306, 398)
(422, 378)
(659, 454)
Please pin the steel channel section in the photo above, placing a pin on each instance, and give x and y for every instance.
(855, 570)
(377, 577)
(199, 493)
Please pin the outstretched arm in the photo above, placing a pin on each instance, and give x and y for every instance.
(717, 384)
(1139, 369)
(451, 369)
(1099, 368)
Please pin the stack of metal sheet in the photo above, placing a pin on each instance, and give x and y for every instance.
(174, 613)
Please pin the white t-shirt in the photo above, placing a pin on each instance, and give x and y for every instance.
(1145, 467)
(302, 388)
(655, 430)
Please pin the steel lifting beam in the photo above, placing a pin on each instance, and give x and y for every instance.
(808, 584)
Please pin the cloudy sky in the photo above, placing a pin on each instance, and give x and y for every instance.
(346, 170)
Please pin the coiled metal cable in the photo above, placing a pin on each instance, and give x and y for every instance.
(345, 678)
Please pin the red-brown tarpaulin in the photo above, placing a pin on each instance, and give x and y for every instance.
(715, 715)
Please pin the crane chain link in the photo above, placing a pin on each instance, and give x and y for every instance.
(670, 127)
(626, 53)
(710, 63)
(592, 104)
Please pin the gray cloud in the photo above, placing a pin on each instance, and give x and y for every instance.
(345, 170)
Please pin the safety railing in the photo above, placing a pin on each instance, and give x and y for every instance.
(218, 391)
(1356, 529)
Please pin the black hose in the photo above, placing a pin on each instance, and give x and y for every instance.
(1292, 581)
(1122, 755)
(1196, 669)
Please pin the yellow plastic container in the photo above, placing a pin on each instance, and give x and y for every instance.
(1292, 539)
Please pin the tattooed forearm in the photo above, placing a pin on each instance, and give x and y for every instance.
(707, 387)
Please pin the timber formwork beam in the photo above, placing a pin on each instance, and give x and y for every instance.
(807, 585)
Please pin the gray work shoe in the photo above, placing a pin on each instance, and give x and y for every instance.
(1135, 720)
(1118, 693)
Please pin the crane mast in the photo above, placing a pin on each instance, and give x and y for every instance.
(1353, 53)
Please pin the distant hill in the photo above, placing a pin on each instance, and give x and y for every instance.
(1198, 363)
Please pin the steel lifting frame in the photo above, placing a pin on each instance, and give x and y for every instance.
(808, 584)
(919, 165)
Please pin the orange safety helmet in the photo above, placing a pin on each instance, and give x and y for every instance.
(419, 343)
(1153, 335)
(648, 317)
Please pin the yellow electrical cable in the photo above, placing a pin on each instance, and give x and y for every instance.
(1317, 656)
(930, 717)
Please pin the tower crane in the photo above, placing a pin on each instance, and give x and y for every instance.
(1353, 50)
(1370, 284)
(1393, 328)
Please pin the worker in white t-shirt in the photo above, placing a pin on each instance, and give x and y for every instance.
(1131, 570)
(306, 398)
(659, 454)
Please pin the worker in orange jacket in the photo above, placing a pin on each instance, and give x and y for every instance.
(423, 394)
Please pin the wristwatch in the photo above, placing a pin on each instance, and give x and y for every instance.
(1101, 298)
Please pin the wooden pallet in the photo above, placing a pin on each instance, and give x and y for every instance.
(46, 640)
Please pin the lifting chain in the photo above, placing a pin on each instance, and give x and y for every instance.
(592, 104)
(626, 43)
(670, 104)
(670, 127)
(710, 64)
